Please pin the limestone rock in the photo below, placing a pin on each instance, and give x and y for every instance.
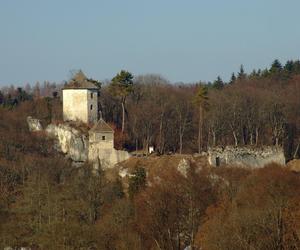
(246, 156)
(70, 141)
(183, 166)
(34, 124)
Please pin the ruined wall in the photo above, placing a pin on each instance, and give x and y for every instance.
(105, 156)
(246, 156)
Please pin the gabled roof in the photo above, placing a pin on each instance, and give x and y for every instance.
(101, 126)
(80, 81)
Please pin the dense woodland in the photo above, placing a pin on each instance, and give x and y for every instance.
(260, 108)
(46, 203)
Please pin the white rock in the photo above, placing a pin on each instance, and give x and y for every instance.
(70, 141)
(183, 167)
(34, 124)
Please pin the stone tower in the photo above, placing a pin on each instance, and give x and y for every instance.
(80, 100)
(102, 134)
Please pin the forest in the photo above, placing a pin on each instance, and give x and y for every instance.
(47, 203)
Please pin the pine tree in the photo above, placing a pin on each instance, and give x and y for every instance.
(276, 67)
(218, 84)
(201, 101)
(242, 75)
(121, 86)
(232, 79)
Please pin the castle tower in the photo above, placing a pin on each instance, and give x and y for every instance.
(80, 100)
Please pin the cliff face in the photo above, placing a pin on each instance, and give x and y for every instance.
(75, 145)
(245, 156)
(69, 141)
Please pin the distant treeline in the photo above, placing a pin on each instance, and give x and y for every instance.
(259, 108)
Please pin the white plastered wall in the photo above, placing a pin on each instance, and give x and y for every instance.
(79, 105)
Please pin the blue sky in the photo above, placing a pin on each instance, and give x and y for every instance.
(186, 41)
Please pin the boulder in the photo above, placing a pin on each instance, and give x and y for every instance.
(34, 124)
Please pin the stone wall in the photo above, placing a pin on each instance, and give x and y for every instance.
(80, 104)
(246, 156)
(106, 157)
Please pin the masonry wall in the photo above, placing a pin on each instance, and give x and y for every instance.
(80, 104)
(246, 156)
(108, 142)
(92, 105)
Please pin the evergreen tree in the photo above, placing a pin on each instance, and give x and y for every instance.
(201, 102)
(289, 66)
(218, 84)
(121, 86)
(276, 67)
(232, 79)
(242, 75)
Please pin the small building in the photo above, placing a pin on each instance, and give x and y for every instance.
(101, 146)
(102, 134)
(80, 100)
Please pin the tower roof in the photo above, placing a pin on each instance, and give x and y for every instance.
(101, 126)
(80, 81)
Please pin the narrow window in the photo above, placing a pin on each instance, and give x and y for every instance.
(217, 161)
(103, 138)
(91, 95)
(91, 107)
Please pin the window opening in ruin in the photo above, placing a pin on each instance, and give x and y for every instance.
(91, 107)
(91, 95)
(103, 138)
(217, 161)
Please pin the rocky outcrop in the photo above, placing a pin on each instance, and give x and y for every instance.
(34, 124)
(75, 145)
(246, 156)
(183, 167)
(70, 141)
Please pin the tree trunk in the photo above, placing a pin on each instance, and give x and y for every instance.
(214, 138)
(123, 116)
(180, 142)
(160, 134)
(256, 136)
(251, 138)
(296, 151)
(235, 138)
(136, 144)
(200, 129)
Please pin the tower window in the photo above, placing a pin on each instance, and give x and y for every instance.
(91, 107)
(91, 95)
(103, 137)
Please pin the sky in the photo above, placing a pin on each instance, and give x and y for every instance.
(184, 41)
